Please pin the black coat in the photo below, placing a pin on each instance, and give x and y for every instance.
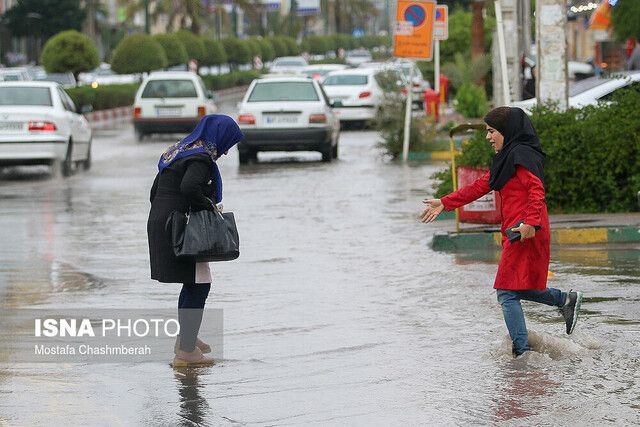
(187, 182)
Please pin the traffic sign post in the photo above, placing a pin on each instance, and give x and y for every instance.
(414, 29)
(413, 39)
(440, 32)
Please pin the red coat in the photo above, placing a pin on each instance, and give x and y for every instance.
(523, 265)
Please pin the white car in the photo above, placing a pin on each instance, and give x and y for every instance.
(589, 91)
(39, 124)
(170, 102)
(15, 74)
(66, 80)
(357, 57)
(287, 114)
(104, 75)
(359, 90)
(318, 71)
(288, 65)
(418, 83)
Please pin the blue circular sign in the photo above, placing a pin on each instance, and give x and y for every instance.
(415, 14)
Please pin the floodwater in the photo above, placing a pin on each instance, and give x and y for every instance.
(336, 313)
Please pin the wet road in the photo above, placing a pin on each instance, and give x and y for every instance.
(337, 312)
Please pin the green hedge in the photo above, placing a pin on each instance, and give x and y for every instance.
(592, 160)
(105, 97)
(233, 79)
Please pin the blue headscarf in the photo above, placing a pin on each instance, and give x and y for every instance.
(214, 135)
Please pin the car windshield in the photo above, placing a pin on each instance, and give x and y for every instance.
(10, 77)
(346, 80)
(283, 91)
(170, 89)
(21, 95)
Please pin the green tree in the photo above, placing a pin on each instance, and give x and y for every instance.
(254, 45)
(279, 45)
(173, 48)
(193, 43)
(45, 18)
(138, 53)
(238, 51)
(625, 17)
(268, 52)
(214, 52)
(70, 51)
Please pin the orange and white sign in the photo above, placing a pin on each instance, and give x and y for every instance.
(441, 25)
(414, 29)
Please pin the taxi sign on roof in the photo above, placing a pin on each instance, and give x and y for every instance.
(414, 29)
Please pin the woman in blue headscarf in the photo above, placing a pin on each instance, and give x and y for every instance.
(188, 178)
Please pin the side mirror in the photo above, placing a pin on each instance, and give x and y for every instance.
(336, 104)
(85, 109)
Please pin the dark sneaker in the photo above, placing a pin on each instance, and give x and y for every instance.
(571, 310)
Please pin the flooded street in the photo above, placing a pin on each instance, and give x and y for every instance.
(336, 313)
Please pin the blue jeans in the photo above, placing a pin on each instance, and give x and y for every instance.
(190, 310)
(514, 316)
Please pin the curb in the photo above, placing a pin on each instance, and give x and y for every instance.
(112, 114)
(559, 236)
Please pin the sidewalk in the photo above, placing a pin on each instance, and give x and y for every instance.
(577, 229)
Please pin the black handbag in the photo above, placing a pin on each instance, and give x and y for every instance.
(203, 236)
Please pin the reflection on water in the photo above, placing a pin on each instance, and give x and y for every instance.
(193, 406)
(337, 312)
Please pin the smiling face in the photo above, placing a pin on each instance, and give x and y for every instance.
(496, 138)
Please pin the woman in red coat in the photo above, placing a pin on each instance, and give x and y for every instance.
(517, 173)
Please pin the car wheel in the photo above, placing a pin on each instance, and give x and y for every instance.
(86, 164)
(139, 135)
(327, 153)
(334, 152)
(67, 164)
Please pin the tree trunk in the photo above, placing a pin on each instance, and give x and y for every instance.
(477, 30)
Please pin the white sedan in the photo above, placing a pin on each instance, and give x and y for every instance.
(591, 90)
(360, 91)
(39, 124)
(287, 114)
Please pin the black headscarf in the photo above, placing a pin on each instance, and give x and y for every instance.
(521, 147)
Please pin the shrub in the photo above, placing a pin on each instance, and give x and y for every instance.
(138, 53)
(279, 45)
(233, 79)
(70, 51)
(471, 101)
(592, 155)
(238, 51)
(173, 47)
(214, 52)
(316, 45)
(292, 45)
(254, 46)
(390, 123)
(104, 96)
(268, 52)
(193, 44)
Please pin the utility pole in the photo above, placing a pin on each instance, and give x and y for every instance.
(551, 64)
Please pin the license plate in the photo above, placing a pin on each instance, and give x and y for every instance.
(281, 119)
(10, 126)
(169, 112)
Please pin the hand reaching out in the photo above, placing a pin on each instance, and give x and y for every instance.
(432, 212)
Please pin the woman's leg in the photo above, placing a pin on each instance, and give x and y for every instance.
(190, 309)
(550, 296)
(514, 318)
